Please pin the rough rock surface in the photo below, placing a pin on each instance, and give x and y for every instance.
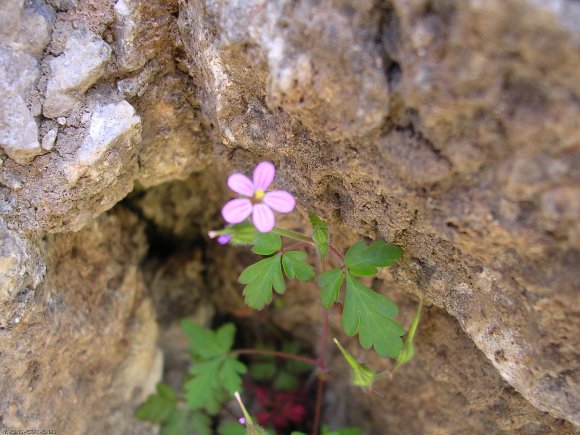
(448, 127)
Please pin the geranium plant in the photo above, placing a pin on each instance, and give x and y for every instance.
(217, 371)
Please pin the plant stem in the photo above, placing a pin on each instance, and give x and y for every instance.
(277, 354)
(319, 392)
(297, 236)
(292, 235)
(322, 349)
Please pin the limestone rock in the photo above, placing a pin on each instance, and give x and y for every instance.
(113, 125)
(21, 270)
(142, 31)
(73, 72)
(18, 128)
(93, 349)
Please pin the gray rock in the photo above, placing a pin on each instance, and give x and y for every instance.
(18, 129)
(48, 140)
(111, 125)
(73, 72)
(21, 270)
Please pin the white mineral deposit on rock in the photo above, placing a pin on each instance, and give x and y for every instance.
(75, 71)
(48, 140)
(110, 125)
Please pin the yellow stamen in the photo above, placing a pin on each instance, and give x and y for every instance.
(259, 194)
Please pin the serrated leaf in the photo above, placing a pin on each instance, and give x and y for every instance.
(158, 407)
(266, 243)
(201, 424)
(408, 350)
(330, 283)
(363, 260)
(295, 266)
(263, 371)
(362, 375)
(231, 429)
(285, 381)
(320, 234)
(370, 314)
(205, 343)
(177, 424)
(260, 278)
(229, 374)
(202, 390)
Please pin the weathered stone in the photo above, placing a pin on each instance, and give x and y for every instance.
(21, 270)
(18, 128)
(94, 350)
(112, 126)
(48, 140)
(73, 72)
(142, 31)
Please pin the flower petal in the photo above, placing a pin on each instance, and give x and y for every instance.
(237, 210)
(241, 184)
(263, 218)
(264, 175)
(280, 200)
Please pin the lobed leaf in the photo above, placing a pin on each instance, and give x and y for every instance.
(363, 260)
(370, 314)
(158, 407)
(229, 374)
(330, 283)
(205, 343)
(266, 243)
(176, 424)
(295, 266)
(200, 424)
(260, 278)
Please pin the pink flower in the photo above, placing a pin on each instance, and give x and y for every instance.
(256, 201)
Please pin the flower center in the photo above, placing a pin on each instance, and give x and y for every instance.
(259, 194)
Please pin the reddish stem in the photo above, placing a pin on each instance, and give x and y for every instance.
(277, 354)
(319, 391)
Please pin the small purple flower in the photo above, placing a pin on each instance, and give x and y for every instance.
(224, 239)
(256, 201)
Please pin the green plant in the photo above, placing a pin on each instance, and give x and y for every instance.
(217, 372)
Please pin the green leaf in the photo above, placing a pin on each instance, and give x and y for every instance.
(408, 350)
(225, 337)
(205, 343)
(363, 260)
(231, 429)
(203, 389)
(158, 407)
(362, 375)
(295, 266)
(177, 424)
(330, 283)
(320, 234)
(201, 424)
(242, 234)
(285, 381)
(229, 374)
(342, 431)
(263, 371)
(260, 278)
(370, 314)
(266, 243)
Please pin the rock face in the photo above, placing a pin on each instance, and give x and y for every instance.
(447, 127)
